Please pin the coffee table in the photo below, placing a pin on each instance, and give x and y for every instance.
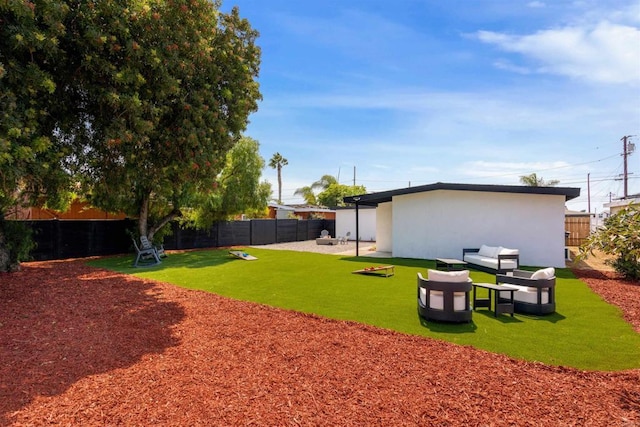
(449, 264)
(499, 307)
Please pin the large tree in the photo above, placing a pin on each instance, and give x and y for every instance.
(307, 194)
(277, 162)
(166, 90)
(32, 103)
(335, 193)
(237, 188)
(324, 182)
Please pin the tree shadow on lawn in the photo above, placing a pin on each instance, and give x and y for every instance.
(63, 321)
(199, 258)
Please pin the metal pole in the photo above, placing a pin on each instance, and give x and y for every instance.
(357, 199)
(624, 156)
(588, 194)
(357, 231)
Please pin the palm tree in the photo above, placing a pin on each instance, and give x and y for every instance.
(533, 181)
(307, 194)
(277, 162)
(324, 182)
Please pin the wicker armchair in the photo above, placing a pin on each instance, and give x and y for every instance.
(536, 292)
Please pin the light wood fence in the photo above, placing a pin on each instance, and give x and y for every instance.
(578, 228)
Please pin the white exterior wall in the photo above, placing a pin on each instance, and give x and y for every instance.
(384, 227)
(346, 221)
(440, 223)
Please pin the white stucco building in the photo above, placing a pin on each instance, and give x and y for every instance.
(439, 220)
(346, 223)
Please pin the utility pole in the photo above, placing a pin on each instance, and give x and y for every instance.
(588, 193)
(627, 149)
(624, 157)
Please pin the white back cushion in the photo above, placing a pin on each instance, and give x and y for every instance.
(448, 276)
(489, 251)
(545, 273)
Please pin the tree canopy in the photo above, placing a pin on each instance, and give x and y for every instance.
(169, 86)
(620, 237)
(31, 158)
(332, 191)
(335, 193)
(138, 102)
(237, 189)
(533, 181)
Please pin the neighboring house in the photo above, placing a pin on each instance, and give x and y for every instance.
(616, 205)
(301, 211)
(439, 220)
(346, 222)
(77, 210)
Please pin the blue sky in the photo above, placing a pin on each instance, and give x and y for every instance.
(412, 92)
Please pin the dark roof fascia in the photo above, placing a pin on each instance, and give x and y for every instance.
(373, 199)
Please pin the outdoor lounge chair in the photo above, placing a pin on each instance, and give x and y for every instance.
(445, 296)
(536, 292)
(145, 256)
(344, 240)
(146, 244)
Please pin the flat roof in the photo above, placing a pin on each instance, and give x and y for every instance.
(373, 199)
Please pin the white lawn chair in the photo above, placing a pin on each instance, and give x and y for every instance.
(146, 244)
(344, 240)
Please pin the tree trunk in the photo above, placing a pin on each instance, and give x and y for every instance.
(279, 184)
(175, 213)
(143, 217)
(6, 266)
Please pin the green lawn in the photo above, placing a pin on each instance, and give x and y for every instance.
(585, 332)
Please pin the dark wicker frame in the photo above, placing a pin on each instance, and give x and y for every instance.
(523, 278)
(499, 270)
(447, 314)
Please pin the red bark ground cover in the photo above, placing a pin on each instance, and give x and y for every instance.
(83, 346)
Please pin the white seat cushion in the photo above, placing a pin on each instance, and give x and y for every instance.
(526, 294)
(490, 262)
(436, 300)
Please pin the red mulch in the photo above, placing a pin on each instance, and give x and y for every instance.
(82, 346)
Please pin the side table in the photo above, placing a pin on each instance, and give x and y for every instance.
(499, 307)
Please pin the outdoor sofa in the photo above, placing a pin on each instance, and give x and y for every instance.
(445, 296)
(536, 292)
(492, 259)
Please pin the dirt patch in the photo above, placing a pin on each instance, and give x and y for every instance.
(83, 346)
(596, 261)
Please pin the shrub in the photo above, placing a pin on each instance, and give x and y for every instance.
(16, 239)
(620, 237)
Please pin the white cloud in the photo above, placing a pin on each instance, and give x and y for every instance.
(605, 53)
(536, 4)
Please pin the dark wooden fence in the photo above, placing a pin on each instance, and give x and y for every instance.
(62, 239)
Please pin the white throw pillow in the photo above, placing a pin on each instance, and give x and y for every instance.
(489, 251)
(545, 273)
(448, 276)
